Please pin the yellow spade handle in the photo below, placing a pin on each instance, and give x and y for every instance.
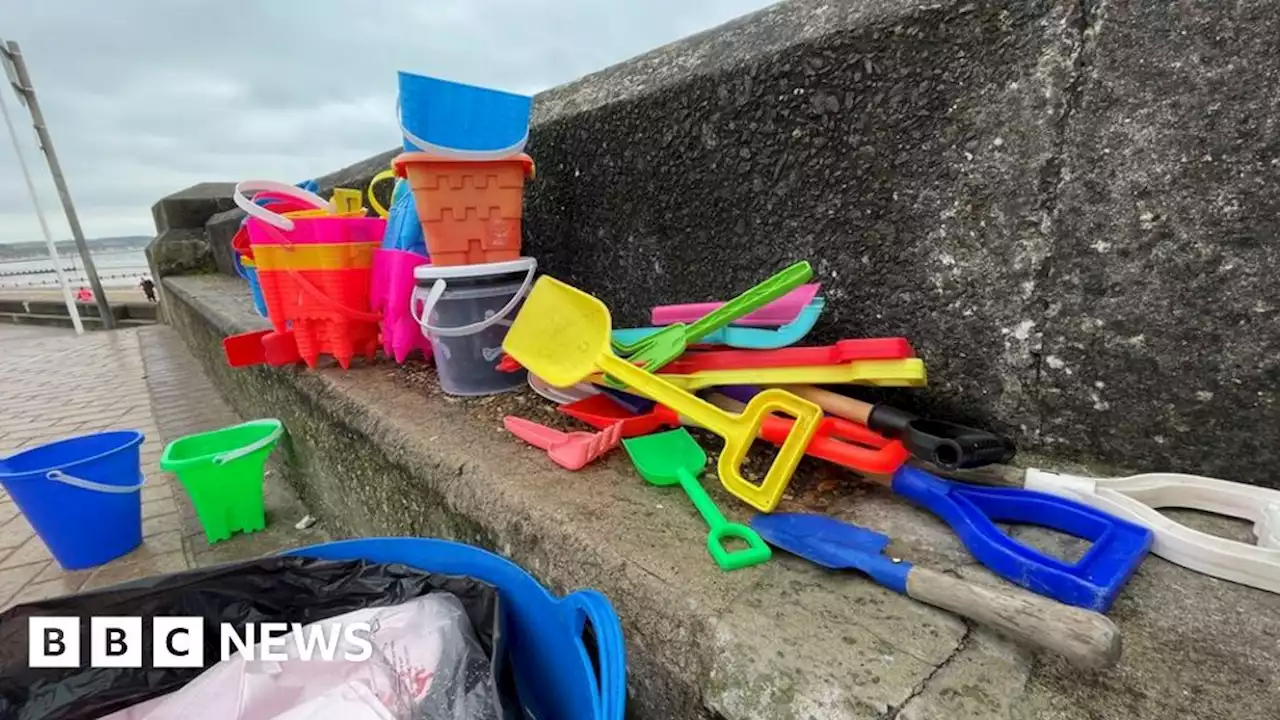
(699, 411)
(906, 372)
(738, 431)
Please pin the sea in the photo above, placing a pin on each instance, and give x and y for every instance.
(117, 268)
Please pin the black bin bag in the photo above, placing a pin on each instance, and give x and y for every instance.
(273, 589)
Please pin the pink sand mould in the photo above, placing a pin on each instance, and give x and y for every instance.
(571, 450)
(777, 313)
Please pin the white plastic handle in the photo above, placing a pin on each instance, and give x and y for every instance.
(73, 481)
(1268, 529)
(437, 290)
(253, 447)
(274, 219)
(561, 396)
(1136, 499)
(453, 154)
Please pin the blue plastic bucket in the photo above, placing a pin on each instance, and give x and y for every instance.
(466, 122)
(567, 654)
(81, 495)
(250, 274)
(404, 231)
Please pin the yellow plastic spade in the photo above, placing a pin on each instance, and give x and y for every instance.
(903, 372)
(562, 336)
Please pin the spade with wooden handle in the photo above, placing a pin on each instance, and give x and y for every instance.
(945, 444)
(1085, 638)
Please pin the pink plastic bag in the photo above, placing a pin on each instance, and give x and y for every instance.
(425, 662)
(391, 287)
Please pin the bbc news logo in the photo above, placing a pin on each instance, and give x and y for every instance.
(178, 642)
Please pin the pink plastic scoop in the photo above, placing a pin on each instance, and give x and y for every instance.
(779, 312)
(572, 450)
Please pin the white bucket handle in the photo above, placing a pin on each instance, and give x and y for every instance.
(437, 290)
(73, 481)
(249, 449)
(253, 209)
(444, 152)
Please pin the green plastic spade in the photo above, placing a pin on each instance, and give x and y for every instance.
(669, 343)
(675, 457)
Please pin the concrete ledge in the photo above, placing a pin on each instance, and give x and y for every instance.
(89, 323)
(378, 450)
(54, 314)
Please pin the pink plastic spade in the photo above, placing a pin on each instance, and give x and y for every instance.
(777, 313)
(572, 450)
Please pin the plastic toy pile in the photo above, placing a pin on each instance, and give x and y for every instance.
(455, 632)
(439, 271)
(728, 368)
(448, 275)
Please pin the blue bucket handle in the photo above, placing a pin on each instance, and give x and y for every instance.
(77, 482)
(235, 261)
(591, 606)
(249, 449)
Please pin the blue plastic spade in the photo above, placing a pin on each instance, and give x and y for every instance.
(1086, 638)
(1093, 581)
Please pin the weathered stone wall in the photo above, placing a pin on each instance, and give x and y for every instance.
(1070, 207)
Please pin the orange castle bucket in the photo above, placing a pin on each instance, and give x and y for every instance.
(470, 211)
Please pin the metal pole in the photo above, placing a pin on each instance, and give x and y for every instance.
(28, 93)
(72, 310)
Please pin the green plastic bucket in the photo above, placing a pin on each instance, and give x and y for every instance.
(222, 472)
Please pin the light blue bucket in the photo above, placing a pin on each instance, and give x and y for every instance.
(460, 121)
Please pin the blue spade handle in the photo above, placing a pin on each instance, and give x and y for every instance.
(972, 512)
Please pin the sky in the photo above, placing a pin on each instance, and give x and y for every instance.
(146, 97)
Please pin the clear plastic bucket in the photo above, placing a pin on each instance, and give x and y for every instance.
(465, 311)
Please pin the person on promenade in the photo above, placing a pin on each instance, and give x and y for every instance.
(148, 289)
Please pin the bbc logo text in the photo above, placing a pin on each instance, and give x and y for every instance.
(179, 642)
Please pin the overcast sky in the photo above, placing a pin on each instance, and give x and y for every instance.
(144, 97)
